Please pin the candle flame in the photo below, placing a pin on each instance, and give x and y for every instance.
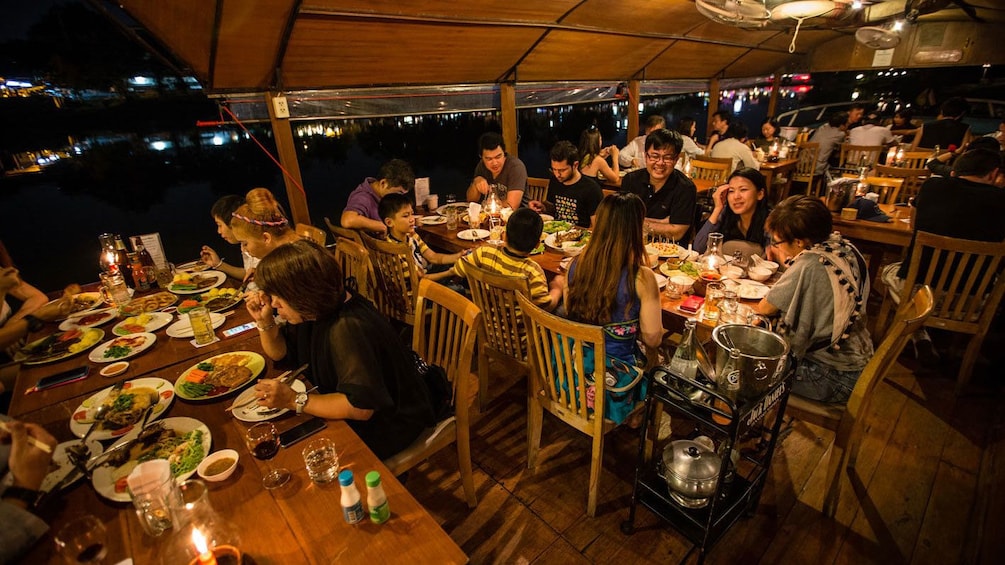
(200, 542)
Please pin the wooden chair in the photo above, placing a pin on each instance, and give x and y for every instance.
(967, 280)
(914, 159)
(888, 188)
(537, 189)
(705, 168)
(557, 347)
(355, 262)
(913, 179)
(502, 335)
(802, 137)
(395, 278)
(445, 336)
(847, 421)
(317, 235)
(855, 156)
(806, 169)
(339, 231)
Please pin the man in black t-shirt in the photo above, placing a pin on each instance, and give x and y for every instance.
(669, 195)
(571, 196)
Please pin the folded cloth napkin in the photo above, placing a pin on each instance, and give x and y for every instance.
(149, 475)
(869, 211)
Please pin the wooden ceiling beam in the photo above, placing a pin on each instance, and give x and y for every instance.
(277, 66)
(214, 41)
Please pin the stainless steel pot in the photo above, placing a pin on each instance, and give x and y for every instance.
(762, 356)
(691, 471)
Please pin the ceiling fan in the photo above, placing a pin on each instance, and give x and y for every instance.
(742, 13)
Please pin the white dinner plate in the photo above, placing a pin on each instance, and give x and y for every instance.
(256, 414)
(157, 321)
(748, 289)
(432, 220)
(60, 466)
(547, 218)
(105, 476)
(84, 302)
(661, 281)
(459, 206)
(183, 327)
(253, 361)
(473, 235)
(137, 343)
(89, 319)
(565, 248)
(83, 416)
(218, 276)
(192, 267)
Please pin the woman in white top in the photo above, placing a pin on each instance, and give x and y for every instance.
(734, 146)
(686, 129)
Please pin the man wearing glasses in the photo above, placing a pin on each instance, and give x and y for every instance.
(669, 194)
(572, 197)
(506, 175)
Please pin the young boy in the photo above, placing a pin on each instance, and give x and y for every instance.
(523, 234)
(396, 212)
(222, 212)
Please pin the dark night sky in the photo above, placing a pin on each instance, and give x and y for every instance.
(19, 15)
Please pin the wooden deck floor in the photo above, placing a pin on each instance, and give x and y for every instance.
(929, 487)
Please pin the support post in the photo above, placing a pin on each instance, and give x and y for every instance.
(283, 135)
(713, 104)
(633, 109)
(507, 102)
(776, 86)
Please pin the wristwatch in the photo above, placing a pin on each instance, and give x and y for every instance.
(34, 324)
(300, 401)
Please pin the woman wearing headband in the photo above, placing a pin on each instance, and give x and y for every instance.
(260, 224)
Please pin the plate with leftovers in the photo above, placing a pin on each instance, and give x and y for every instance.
(183, 442)
(183, 327)
(686, 268)
(196, 283)
(665, 249)
(569, 242)
(147, 322)
(432, 220)
(60, 466)
(150, 303)
(89, 319)
(473, 235)
(126, 406)
(58, 346)
(216, 300)
(122, 347)
(555, 226)
(252, 412)
(219, 375)
(546, 217)
(192, 267)
(461, 207)
(748, 289)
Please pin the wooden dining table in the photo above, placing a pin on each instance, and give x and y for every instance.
(783, 168)
(300, 522)
(879, 240)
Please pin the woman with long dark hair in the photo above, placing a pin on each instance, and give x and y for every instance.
(740, 212)
(686, 128)
(593, 157)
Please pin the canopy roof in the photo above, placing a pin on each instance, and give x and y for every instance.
(292, 45)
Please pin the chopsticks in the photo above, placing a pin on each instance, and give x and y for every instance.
(283, 378)
(31, 440)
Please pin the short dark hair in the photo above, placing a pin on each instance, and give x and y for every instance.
(984, 142)
(283, 271)
(684, 126)
(489, 141)
(665, 139)
(753, 175)
(392, 204)
(523, 230)
(838, 119)
(654, 121)
(873, 119)
(955, 107)
(774, 124)
(736, 130)
(977, 162)
(398, 173)
(564, 151)
(857, 106)
(801, 217)
(723, 115)
(225, 207)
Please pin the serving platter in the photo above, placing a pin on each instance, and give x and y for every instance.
(206, 280)
(32, 353)
(83, 416)
(89, 319)
(219, 378)
(128, 346)
(151, 322)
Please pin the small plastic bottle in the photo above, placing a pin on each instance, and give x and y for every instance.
(352, 505)
(376, 500)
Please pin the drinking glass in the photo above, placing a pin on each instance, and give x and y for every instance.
(114, 289)
(153, 492)
(713, 296)
(202, 325)
(165, 276)
(451, 214)
(82, 540)
(729, 308)
(321, 460)
(495, 230)
(263, 441)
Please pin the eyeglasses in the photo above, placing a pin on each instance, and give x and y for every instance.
(775, 243)
(666, 158)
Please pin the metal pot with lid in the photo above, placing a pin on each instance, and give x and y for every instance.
(691, 470)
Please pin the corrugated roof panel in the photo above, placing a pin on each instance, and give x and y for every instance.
(686, 59)
(189, 42)
(514, 10)
(572, 55)
(638, 16)
(250, 37)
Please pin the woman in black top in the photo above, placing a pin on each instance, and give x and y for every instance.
(740, 211)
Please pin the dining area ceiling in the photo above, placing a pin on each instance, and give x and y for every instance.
(236, 46)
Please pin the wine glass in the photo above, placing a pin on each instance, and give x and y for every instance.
(263, 441)
(82, 540)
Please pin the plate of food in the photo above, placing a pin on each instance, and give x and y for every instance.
(183, 327)
(665, 249)
(433, 220)
(148, 322)
(89, 319)
(251, 412)
(748, 289)
(546, 217)
(122, 347)
(460, 207)
(555, 226)
(196, 266)
(219, 375)
(183, 442)
(60, 465)
(150, 303)
(216, 300)
(58, 346)
(686, 268)
(85, 301)
(569, 242)
(473, 235)
(196, 283)
(126, 406)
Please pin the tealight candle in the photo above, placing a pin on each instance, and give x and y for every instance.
(206, 556)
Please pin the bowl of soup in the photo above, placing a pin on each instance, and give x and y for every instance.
(219, 466)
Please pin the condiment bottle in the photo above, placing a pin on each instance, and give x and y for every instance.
(139, 277)
(684, 362)
(352, 505)
(376, 500)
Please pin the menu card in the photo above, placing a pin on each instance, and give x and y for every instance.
(152, 243)
(421, 191)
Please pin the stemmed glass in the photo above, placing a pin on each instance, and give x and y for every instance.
(82, 540)
(263, 441)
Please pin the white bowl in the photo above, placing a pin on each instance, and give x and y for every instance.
(115, 369)
(683, 282)
(203, 468)
(769, 265)
(759, 273)
(730, 271)
(653, 258)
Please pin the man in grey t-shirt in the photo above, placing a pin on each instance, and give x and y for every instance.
(507, 174)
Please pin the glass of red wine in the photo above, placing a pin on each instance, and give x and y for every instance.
(82, 540)
(263, 441)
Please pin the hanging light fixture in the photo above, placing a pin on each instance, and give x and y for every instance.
(801, 10)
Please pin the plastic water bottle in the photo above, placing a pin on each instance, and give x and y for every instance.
(376, 500)
(352, 505)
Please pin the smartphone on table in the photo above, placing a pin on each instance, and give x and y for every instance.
(59, 379)
(301, 430)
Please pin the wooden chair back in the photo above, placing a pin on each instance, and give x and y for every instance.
(503, 336)
(847, 422)
(537, 189)
(968, 280)
(853, 156)
(806, 167)
(914, 159)
(558, 385)
(339, 231)
(354, 260)
(317, 235)
(888, 188)
(802, 137)
(913, 179)
(395, 278)
(704, 168)
(445, 335)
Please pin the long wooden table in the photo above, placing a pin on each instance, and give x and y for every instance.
(878, 239)
(298, 523)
